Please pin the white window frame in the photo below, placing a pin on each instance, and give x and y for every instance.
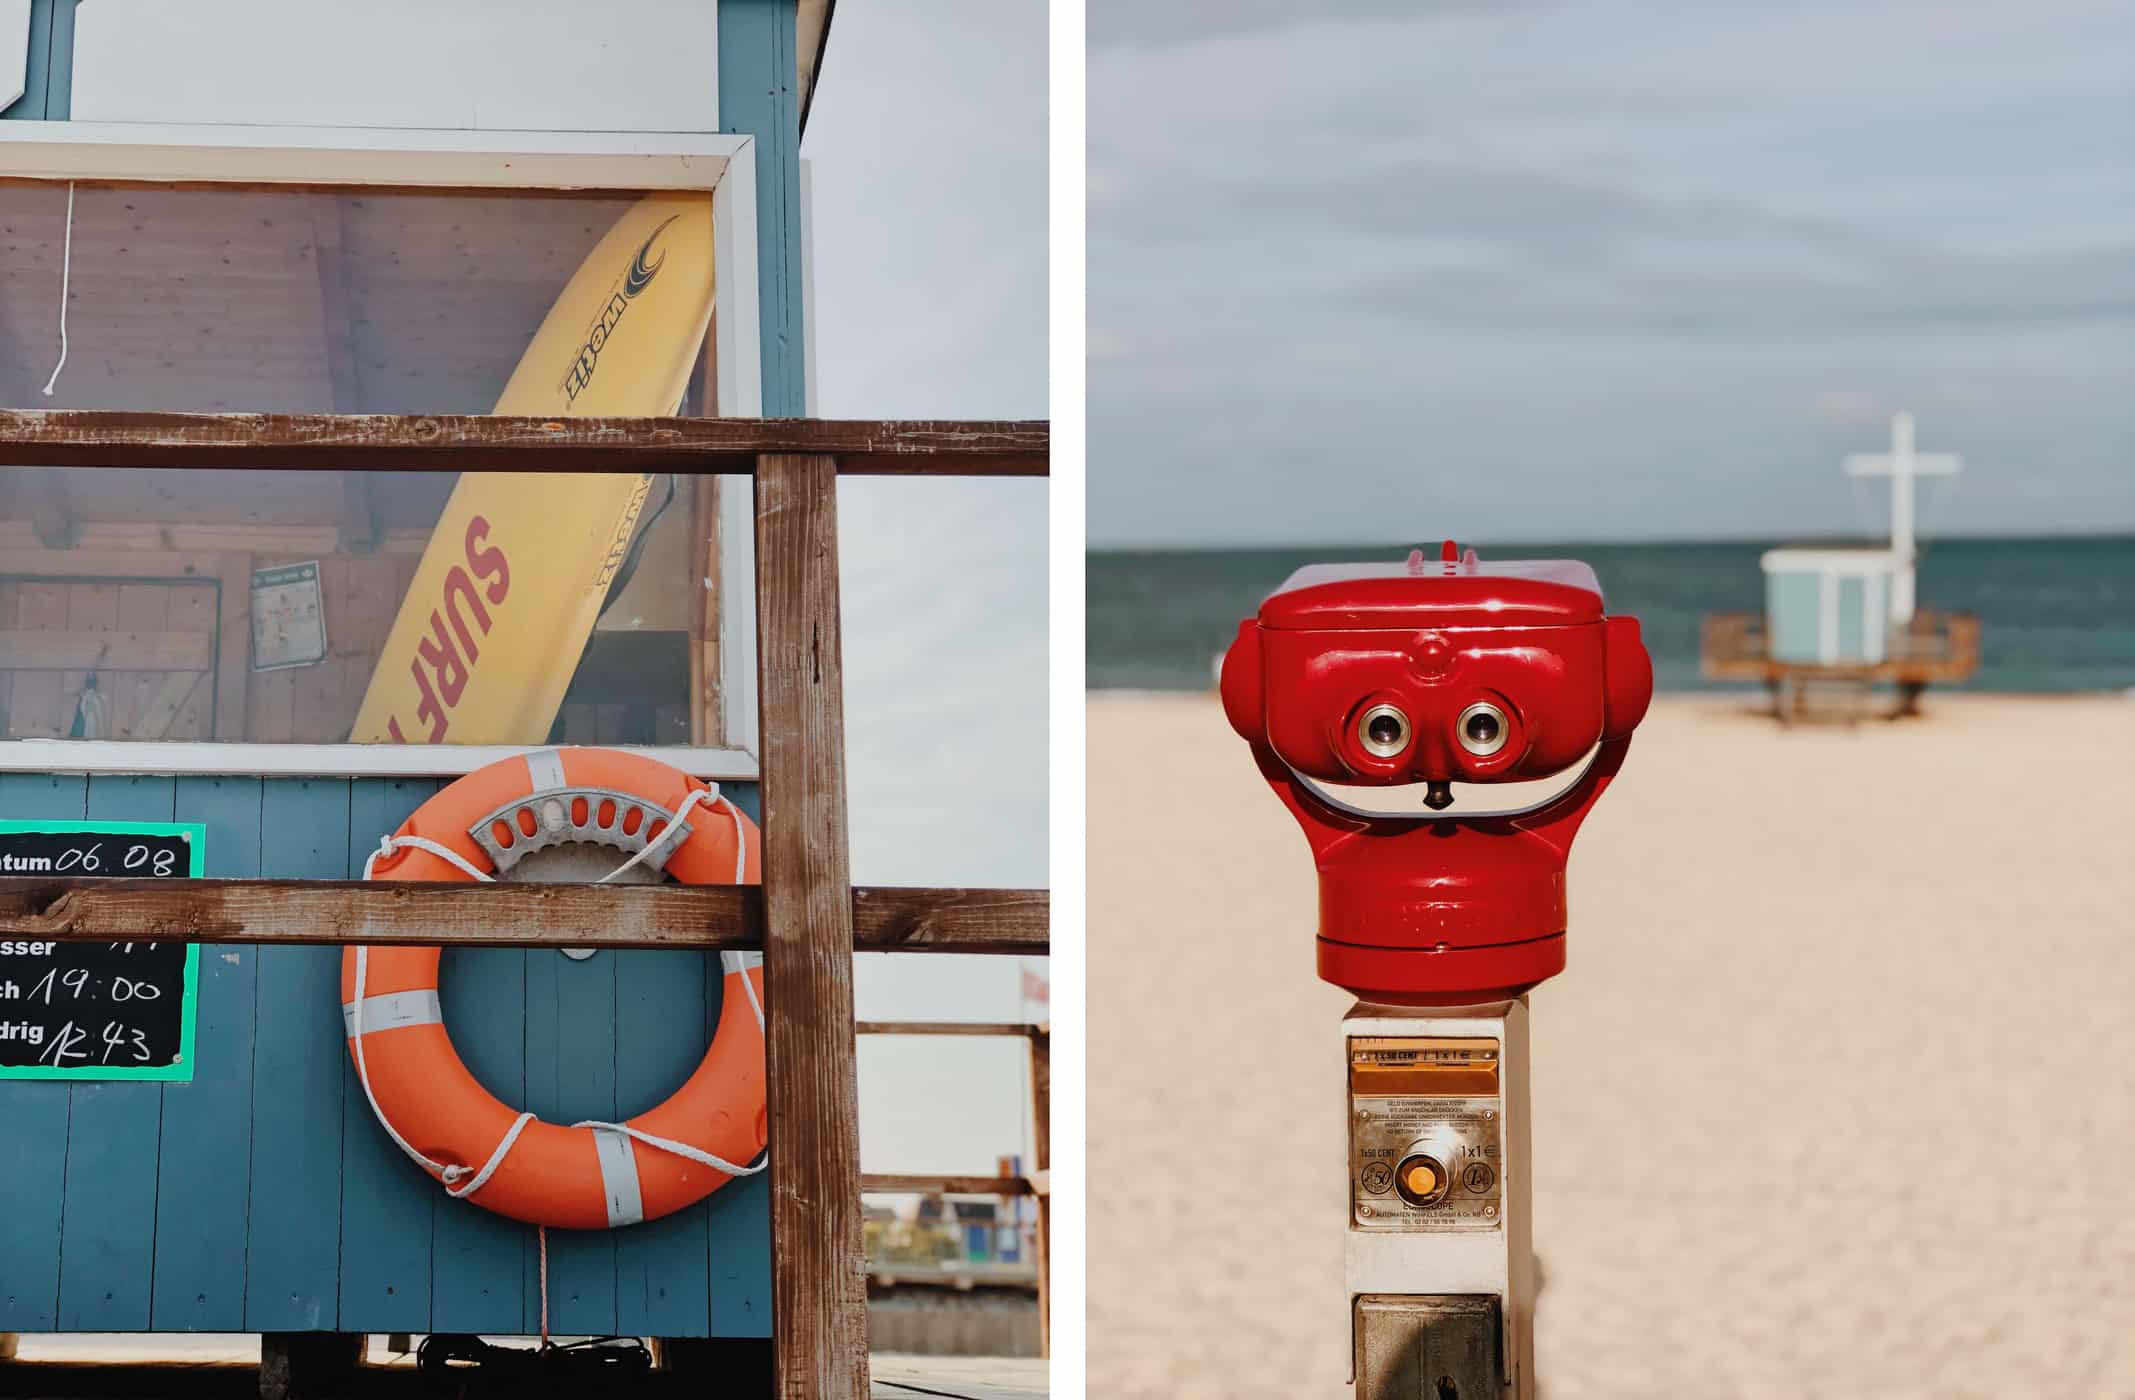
(723, 165)
(14, 50)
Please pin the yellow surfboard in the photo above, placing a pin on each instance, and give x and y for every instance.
(512, 582)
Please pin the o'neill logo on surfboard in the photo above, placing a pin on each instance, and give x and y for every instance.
(636, 280)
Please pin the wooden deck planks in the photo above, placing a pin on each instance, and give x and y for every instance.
(33, 1147)
(738, 1216)
(570, 1077)
(114, 1138)
(283, 1148)
(293, 1258)
(482, 1266)
(203, 1172)
(386, 1200)
(662, 1026)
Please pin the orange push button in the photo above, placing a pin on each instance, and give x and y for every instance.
(1421, 1180)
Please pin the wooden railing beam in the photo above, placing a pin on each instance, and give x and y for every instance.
(1017, 1030)
(399, 443)
(883, 920)
(885, 1184)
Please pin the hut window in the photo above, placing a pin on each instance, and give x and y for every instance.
(333, 607)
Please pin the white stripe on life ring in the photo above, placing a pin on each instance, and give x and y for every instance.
(392, 1010)
(545, 768)
(618, 1177)
(731, 963)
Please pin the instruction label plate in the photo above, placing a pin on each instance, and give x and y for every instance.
(1456, 1133)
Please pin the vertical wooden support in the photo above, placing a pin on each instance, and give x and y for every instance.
(819, 1282)
(707, 700)
(233, 646)
(1041, 1128)
(362, 526)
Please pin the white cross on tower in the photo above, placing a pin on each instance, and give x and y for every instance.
(1901, 464)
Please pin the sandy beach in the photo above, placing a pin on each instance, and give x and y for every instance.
(1836, 1098)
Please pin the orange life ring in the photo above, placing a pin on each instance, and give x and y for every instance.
(586, 1175)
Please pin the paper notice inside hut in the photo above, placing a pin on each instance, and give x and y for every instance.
(288, 617)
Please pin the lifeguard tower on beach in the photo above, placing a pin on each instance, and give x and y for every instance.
(1842, 620)
(394, 395)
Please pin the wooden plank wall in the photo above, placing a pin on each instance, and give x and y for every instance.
(134, 632)
(116, 626)
(130, 623)
(264, 1197)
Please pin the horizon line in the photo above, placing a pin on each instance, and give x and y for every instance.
(2126, 532)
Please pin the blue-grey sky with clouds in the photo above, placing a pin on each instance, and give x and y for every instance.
(928, 152)
(928, 148)
(1372, 270)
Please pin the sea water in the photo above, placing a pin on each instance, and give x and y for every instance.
(2056, 614)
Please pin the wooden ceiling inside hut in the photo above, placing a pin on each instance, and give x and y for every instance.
(268, 299)
(278, 299)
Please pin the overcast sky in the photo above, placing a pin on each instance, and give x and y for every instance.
(1384, 270)
(928, 147)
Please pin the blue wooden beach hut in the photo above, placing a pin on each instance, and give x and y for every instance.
(259, 1195)
(1828, 607)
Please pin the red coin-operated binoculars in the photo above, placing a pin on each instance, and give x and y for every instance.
(1507, 696)
(1437, 673)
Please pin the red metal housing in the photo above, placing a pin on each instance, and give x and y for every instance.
(1438, 909)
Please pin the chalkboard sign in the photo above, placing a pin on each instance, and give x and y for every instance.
(82, 1010)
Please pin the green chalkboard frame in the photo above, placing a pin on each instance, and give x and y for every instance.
(180, 1072)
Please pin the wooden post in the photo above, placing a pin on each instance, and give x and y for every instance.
(818, 1261)
(233, 642)
(707, 700)
(1041, 1113)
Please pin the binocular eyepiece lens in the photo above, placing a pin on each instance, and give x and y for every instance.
(1482, 729)
(1383, 731)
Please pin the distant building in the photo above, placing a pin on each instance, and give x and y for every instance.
(1846, 617)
